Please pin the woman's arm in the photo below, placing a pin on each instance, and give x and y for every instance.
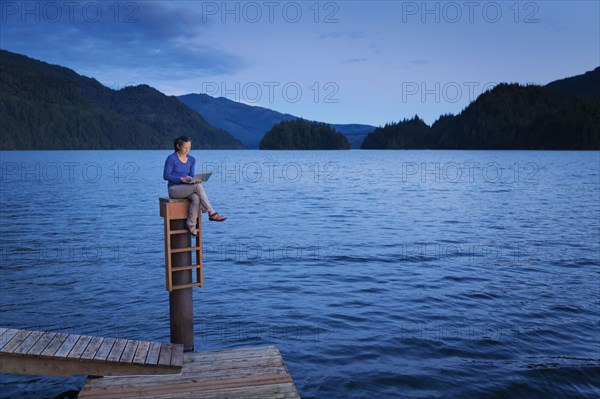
(168, 171)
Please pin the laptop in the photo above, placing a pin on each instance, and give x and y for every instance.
(201, 177)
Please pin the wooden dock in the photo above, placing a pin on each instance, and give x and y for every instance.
(64, 355)
(250, 373)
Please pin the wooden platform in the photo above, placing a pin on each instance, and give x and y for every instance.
(257, 372)
(57, 354)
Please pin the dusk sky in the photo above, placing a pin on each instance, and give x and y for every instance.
(338, 62)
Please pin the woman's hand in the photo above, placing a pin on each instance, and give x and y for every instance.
(186, 179)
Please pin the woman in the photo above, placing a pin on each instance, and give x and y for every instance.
(179, 172)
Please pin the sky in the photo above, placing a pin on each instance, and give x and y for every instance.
(370, 62)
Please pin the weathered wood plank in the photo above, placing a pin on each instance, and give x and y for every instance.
(271, 391)
(92, 348)
(66, 346)
(53, 346)
(104, 349)
(41, 344)
(129, 351)
(261, 377)
(117, 350)
(7, 336)
(229, 367)
(153, 353)
(176, 355)
(2, 331)
(165, 354)
(79, 347)
(141, 352)
(58, 354)
(241, 353)
(65, 367)
(15, 341)
(29, 342)
(170, 386)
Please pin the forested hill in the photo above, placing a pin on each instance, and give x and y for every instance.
(300, 134)
(586, 85)
(509, 116)
(44, 106)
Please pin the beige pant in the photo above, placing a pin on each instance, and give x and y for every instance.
(196, 194)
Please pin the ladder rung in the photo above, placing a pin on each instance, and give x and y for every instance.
(180, 232)
(176, 250)
(190, 285)
(181, 268)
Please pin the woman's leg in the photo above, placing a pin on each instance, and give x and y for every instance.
(187, 191)
(204, 202)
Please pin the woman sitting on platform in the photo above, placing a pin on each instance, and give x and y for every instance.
(179, 172)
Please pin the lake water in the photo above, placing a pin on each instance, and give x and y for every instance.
(378, 274)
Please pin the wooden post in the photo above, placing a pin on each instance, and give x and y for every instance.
(178, 269)
(181, 306)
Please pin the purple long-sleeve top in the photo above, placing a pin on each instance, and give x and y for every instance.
(175, 169)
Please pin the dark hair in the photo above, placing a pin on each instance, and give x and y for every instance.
(179, 142)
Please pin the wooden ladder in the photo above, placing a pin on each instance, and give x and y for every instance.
(177, 210)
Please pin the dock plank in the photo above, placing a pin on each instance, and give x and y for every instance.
(141, 352)
(261, 375)
(17, 340)
(153, 353)
(117, 350)
(29, 342)
(165, 355)
(129, 351)
(79, 347)
(65, 355)
(104, 349)
(41, 344)
(67, 345)
(176, 356)
(92, 348)
(54, 345)
(7, 336)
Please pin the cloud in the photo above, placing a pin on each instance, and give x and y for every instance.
(142, 37)
(354, 60)
(344, 34)
(419, 62)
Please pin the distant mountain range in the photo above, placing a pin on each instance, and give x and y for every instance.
(250, 123)
(44, 106)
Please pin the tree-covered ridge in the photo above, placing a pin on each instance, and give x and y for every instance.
(408, 133)
(300, 134)
(585, 85)
(509, 116)
(45, 106)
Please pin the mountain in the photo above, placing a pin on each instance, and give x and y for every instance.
(300, 134)
(586, 85)
(509, 116)
(44, 106)
(249, 123)
(512, 116)
(354, 132)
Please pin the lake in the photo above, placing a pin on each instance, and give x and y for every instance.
(377, 274)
